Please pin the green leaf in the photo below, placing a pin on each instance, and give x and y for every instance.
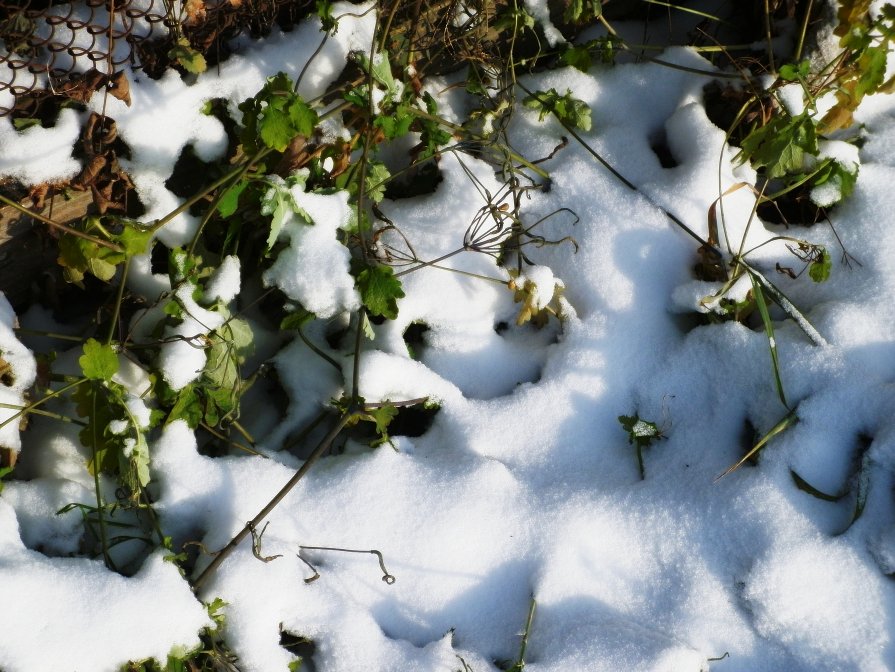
(275, 129)
(394, 125)
(380, 291)
(135, 238)
(568, 109)
(795, 73)
(229, 201)
(187, 408)
(99, 362)
(577, 57)
(191, 60)
(304, 118)
(582, 10)
(138, 461)
(324, 10)
(873, 70)
(376, 179)
(275, 115)
(367, 328)
(101, 268)
(383, 416)
(278, 202)
(781, 145)
(296, 320)
(843, 177)
(819, 269)
(640, 432)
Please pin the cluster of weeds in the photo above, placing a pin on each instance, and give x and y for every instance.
(382, 101)
(277, 147)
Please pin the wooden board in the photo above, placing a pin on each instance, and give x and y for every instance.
(27, 250)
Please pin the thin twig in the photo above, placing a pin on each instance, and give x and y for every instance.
(321, 448)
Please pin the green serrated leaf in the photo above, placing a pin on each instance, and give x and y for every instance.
(380, 291)
(819, 269)
(383, 416)
(794, 73)
(377, 177)
(304, 118)
(781, 145)
(191, 60)
(367, 328)
(577, 57)
(296, 320)
(394, 125)
(279, 203)
(873, 70)
(187, 408)
(568, 109)
(99, 361)
(134, 238)
(582, 10)
(275, 129)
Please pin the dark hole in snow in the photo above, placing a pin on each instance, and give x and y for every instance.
(794, 207)
(749, 436)
(158, 259)
(336, 336)
(414, 338)
(299, 646)
(413, 420)
(659, 145)
(418, 180)
(190, 174)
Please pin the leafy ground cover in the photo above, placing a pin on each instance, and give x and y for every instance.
(517, 344)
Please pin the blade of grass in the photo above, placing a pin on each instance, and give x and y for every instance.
(788, 307)
(788, 420)
(758, 293)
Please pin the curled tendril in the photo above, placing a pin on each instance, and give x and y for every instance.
(386, 577)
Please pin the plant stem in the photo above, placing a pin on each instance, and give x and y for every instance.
(99, 497)
(321, 448)
(59, 227)
(186, 205)
(119, 296)
(28, 409)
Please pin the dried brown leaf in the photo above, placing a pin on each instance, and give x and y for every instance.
(195, 11)
(120, 88)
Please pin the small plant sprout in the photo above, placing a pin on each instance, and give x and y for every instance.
(540, 293)
(641, 434)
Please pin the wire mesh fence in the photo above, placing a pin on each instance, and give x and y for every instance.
(63, 50)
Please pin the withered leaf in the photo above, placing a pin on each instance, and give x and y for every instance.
(120, 88)
(81, 87)
(90, 173)
(38, 195)
(195, 11)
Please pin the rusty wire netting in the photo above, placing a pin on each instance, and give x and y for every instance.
(46, 45)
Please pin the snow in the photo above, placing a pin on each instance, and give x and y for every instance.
(19, 370)
(525, 485)
(313, 270)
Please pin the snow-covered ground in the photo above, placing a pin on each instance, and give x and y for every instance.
(525, 484)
